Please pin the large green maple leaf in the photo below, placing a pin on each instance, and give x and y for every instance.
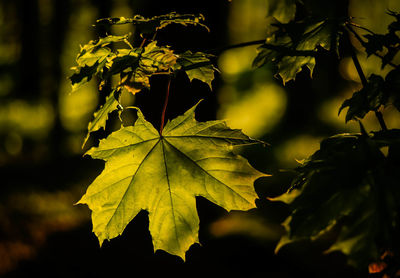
(163, 174)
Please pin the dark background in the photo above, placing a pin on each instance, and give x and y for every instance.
(43, 173)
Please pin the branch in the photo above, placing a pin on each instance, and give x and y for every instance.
(243, 44)
(364, 81)
(363, 43)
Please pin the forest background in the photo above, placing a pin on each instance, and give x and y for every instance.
(42, 127)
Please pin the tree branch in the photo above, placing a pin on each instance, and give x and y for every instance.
(363, 43)
(364, 80)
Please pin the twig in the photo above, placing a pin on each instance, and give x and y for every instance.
(364, 81)
(363, 43)
(243, 44)
(360, 27)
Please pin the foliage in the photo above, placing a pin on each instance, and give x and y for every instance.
(346, 189)
(292, 45)
(135, 66)
(159, 171)
(353, 189)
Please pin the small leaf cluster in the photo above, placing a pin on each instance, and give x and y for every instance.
(136, 65)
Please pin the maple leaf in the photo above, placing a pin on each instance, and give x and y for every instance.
(197, 66)
(164, 173)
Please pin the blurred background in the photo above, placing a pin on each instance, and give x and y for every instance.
(42, 127)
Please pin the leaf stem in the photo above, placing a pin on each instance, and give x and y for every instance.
(364, 81)
(165, 105)
(243, 44)
(143, 42)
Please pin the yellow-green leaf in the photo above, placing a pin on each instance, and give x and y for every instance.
(163, 174)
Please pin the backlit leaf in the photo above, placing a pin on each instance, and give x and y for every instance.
(197, 66)
(136, 74)
(163, 174)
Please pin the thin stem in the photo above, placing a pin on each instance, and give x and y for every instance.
(364, 81)
(381, 121)
(143, 42)
(360, 27)
(243, 44)
(358, 66)
(154, 36)
(165, 105)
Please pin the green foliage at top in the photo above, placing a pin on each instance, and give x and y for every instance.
(163, 173)
(136, 65)
(348, 187)
(155, 23)
(291, 46)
